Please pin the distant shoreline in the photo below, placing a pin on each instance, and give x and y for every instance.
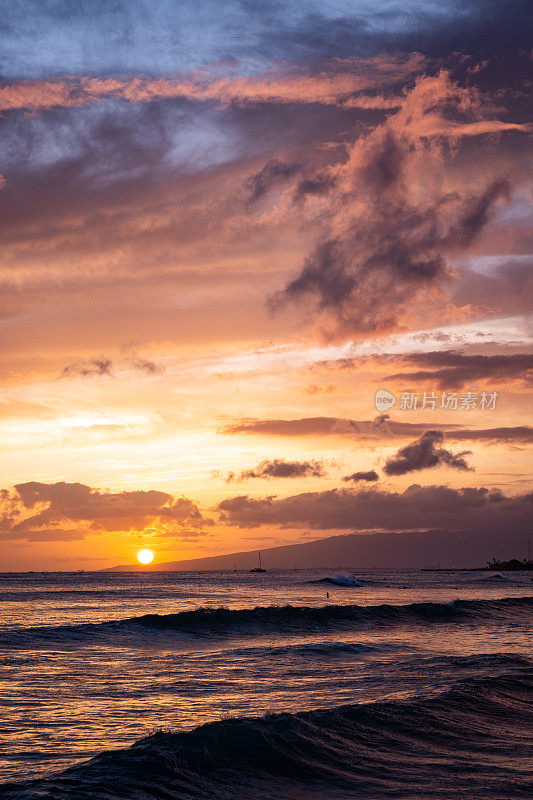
(495, 566)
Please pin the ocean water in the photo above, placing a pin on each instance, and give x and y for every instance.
(400, 684)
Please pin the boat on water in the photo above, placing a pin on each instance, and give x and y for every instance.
(261, 567)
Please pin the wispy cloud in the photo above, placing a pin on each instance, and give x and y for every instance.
(98, 367)
(382, 427)
(452, 369)
(280, 468)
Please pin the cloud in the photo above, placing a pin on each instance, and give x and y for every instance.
(127, 35)
(521, 434)
(140, 194)
(333, 85)
(145, 365)
(355, 477)
(451, 369)
(425, 453)
(97, 367)
(417, 508)
(385, 241)
(314, 388)
(379, 427)
(382, 427)
(92, 367)
(317, 184)
(41, 511)
(507, 288)
(279, 468)
(272, 174)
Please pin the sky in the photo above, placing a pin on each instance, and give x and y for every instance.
(225, 226)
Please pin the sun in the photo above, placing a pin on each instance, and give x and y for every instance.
(145, 556)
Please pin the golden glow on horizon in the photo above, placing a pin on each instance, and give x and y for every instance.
(145, 556)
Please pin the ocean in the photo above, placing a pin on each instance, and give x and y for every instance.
(399, 684)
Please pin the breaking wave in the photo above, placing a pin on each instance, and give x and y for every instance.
(341, 580)
(213, 622)
(472, 741)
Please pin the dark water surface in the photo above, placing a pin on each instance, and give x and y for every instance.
(409, 685)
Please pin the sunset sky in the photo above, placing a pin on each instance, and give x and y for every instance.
(225, 227)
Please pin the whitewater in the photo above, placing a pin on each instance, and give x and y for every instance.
(293, 684)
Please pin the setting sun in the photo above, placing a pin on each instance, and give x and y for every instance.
(145, 556)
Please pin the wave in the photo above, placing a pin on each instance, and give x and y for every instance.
(324, 649)
(213, 622)
(469, 741)
(341, 580)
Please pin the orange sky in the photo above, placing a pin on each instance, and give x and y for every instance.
(190, 254)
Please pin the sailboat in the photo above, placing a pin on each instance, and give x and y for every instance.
(260, 568)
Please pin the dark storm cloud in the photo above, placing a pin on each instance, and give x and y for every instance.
(381, 427)
(452, 369)
(418, 507)
(274, 173)
(74, 510)
(355, 477)
(425, 453)
(279, 468)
